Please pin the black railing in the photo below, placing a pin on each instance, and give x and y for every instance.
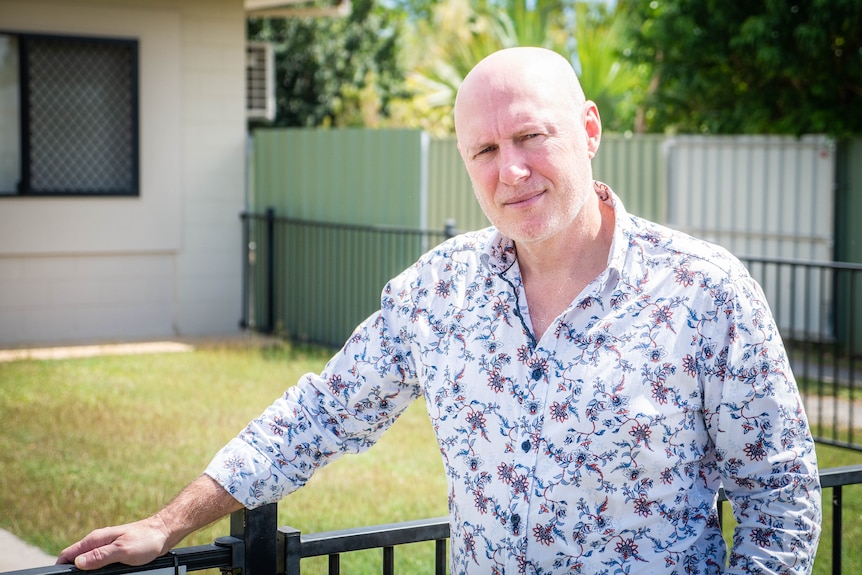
(333, 544)
(818, 307)
(256, 546)
(315, 281)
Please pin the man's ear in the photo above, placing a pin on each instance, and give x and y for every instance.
(593, 127)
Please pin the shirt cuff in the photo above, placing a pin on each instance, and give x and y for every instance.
(249, 476)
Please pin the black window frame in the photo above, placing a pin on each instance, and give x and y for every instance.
(24, 188)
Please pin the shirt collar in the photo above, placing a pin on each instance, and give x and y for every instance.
(622, 226)
(499, 253)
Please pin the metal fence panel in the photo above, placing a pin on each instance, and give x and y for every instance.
(450, 192)
(321, 292)
(759, 196)
(848, 232)
(826, 367)
(352, 176)
(634, 167)
(762, 196)
(765, 196)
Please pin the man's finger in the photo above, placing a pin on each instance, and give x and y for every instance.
(93, 551)
(94, 559)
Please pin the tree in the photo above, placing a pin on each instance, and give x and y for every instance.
(763, 66)
(442, 49)
(334, 71)
(459, 33)
(607, 77)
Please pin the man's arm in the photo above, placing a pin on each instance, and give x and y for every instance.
(198, 505)
(765, 450)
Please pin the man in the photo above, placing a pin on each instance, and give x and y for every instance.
(592, 378)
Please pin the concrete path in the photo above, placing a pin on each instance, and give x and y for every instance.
(94, 350)
(15, 554)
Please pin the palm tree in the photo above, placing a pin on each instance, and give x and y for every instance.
(462, 32)
(606, 76)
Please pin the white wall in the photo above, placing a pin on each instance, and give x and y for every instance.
(165, 263)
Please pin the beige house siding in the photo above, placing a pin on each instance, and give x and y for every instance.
(164, 263)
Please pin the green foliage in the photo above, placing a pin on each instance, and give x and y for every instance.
(459, 33)
(364, 70)
(444, 48)
(334, 71)
(766, 66)
(607, 78)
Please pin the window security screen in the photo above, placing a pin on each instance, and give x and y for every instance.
(81, 116)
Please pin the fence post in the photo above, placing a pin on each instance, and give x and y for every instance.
(450, 229)
(270, 270)
(290, 550)
(257, 528)
(836, 527)
(246, 269)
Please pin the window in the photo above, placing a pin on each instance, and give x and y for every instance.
(259, 81)
(68, 116)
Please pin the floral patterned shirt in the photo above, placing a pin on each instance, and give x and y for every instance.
(601, 447)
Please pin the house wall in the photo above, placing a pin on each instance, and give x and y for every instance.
(167, 262)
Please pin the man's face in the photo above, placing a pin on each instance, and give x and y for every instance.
(527, 149)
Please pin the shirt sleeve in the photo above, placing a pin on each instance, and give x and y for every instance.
(345, 409)
(765, 451)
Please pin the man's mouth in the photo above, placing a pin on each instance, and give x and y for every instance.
(525, 200)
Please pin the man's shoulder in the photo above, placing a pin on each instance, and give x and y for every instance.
(442, 268)
(468, 244)
(660, 242)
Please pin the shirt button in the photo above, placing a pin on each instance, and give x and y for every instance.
(526, 446)
(537, 374)
(516, 521)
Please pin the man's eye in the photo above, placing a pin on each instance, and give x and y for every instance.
(486, 150)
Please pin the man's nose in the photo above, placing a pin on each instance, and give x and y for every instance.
(513, 167)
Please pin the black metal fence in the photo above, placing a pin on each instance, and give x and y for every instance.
(257, 546)
(314, 282)
(818, 307)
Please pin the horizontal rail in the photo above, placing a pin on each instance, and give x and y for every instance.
(198, 558)
(840, 476)
(370, 537)
(802, 263)
(378, 228)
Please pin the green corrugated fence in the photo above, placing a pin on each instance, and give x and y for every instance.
(406, 179)
(328, 279)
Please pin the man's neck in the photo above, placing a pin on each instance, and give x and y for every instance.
(579, 253)
(556, 270)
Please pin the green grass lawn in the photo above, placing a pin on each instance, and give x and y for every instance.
(107, 440)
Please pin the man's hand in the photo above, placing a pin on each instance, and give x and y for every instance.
(133, 544)
(198, 505)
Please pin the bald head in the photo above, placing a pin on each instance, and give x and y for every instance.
(527, 137)
(515, 70)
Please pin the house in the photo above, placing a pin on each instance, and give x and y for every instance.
(122, 167)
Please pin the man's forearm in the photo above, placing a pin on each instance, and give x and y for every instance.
(199, 504)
